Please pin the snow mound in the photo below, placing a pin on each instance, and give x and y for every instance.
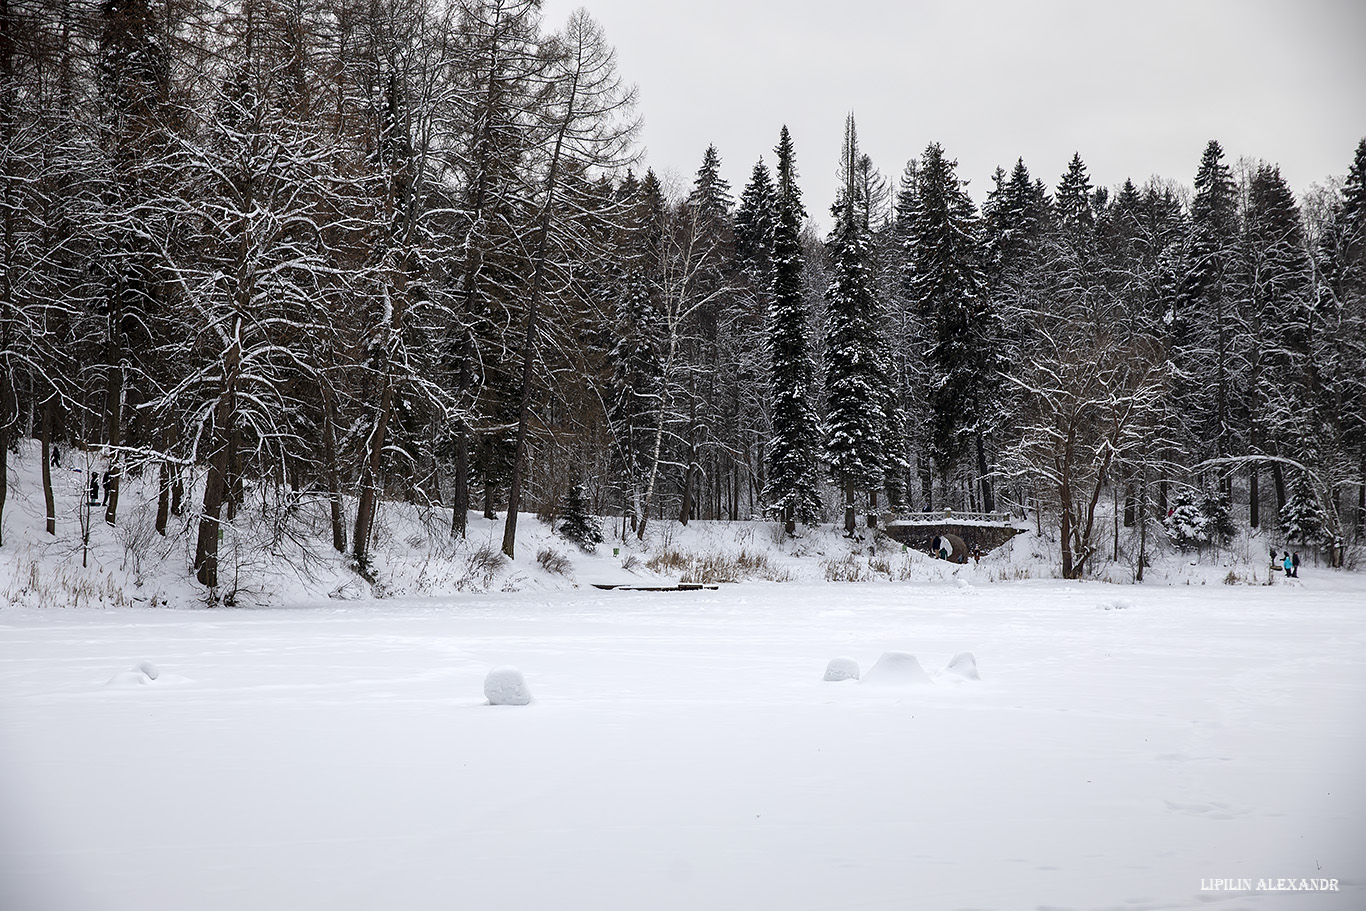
(963, 665)
(841, 669)
(1116, 604)
(897, 669)
(506, 686)
(141, 674)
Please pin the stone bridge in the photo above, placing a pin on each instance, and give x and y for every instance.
(984, 530)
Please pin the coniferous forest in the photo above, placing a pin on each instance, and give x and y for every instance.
(351, 251)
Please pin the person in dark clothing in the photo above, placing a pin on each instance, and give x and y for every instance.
(1295, 565)
(94, 489)
(105, 501)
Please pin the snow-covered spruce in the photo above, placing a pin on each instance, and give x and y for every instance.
(841, 669)
(506, 686)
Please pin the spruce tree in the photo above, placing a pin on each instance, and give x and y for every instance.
(575, 522)
(711, 241)
(1210, 338)
(854, 416)
(755, 217)
(636, 369)
(792, 487)
(947, 281)
(1302, 519)
(1283, 411)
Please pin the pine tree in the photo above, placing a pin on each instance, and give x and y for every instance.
(792, 486)
(1210, 337)
(755, 219)
(948, 284)
(1283, 414)
(1341, 290)
(1302, 519)
(711, 237)
(575, 522)
(854, 417)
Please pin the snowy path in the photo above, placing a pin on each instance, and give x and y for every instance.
(682, 752)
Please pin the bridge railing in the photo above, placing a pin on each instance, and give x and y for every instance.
(938, 516)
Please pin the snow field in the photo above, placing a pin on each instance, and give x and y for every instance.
(682, 754)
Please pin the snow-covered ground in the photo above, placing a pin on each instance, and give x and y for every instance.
(1125, 747)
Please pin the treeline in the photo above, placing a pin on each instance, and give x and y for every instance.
(348, 250)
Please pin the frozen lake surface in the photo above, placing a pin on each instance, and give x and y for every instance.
(1123, 748)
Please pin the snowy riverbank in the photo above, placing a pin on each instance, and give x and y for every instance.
(273, 555)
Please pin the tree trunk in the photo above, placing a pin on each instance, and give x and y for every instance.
(369, 481)
(460, 492)
(9, 414)
(114, 434)
(529, 340)
(177, 490)
(849, 510)
(48, 500)
(988, 499)
(1254, 497)
(331, 473)
(163, 496)
(1278, 482)
(1142, 523)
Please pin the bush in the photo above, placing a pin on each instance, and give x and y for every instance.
(577, 525)
(552, 560)
(1186, 523)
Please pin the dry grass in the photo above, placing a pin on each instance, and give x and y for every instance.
(715, 566)
(553, 561)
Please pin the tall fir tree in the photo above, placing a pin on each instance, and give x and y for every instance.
(1280, 411)
(792, 486)
(946, 280)
(1209, 337)
(854, 416)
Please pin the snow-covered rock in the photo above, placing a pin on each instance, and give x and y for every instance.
(506, 686)
(896, 669)
(1116, 604)
(841, 669)
(963, 665)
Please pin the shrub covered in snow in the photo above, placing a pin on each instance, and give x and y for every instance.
(1186, 523)
(141, 674)
(506, 686)
(841, 669)
(963, 665)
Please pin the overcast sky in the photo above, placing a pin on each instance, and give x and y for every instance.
(1138, 88)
